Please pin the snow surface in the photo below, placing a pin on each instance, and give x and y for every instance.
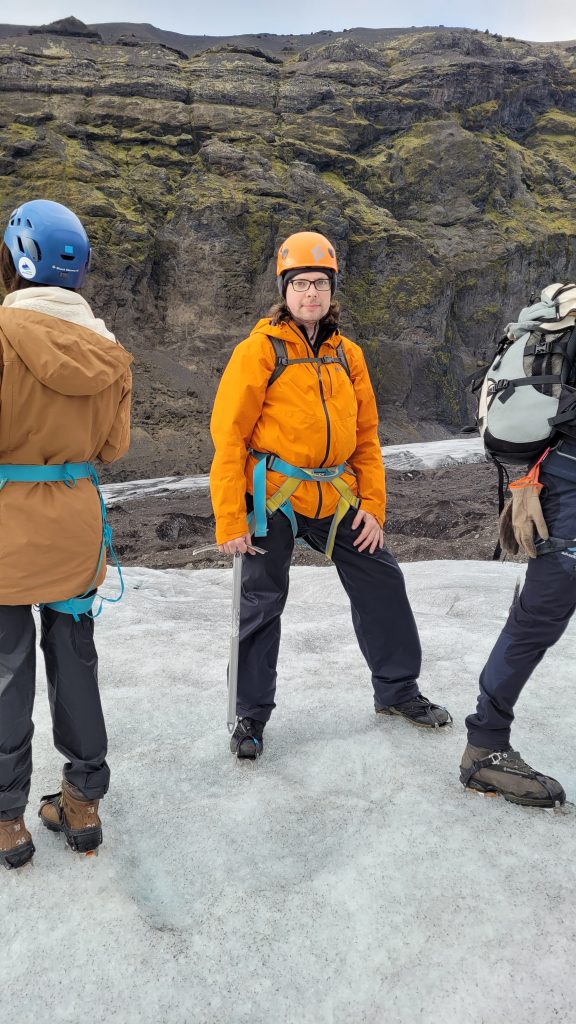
(346, 877)
(420, 455)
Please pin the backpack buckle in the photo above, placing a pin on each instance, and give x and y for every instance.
(542, 348)
(498, 385)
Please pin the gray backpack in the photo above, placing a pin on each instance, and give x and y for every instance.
(528, 392)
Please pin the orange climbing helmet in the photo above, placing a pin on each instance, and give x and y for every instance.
(306, 250)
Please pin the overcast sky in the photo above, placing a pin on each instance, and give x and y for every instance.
(525, 19)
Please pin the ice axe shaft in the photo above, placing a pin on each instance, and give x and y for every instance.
(235, 635)
(234, 640)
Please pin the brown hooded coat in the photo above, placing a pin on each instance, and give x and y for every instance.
(64, 397)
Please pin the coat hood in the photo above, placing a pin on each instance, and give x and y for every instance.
(64, 356)
(289, 331)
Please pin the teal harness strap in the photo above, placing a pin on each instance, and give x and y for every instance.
(69, 473)
(106, 544)
(75, 606)
(325, 473)
(288, 511)
(259, 488)
(257, 521)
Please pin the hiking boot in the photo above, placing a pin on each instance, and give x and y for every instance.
(504, 772)
(71, 813)
(16, 846)
(419, 711)
(247, 739)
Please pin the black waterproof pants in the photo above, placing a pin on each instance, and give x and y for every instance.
(77, 719)
(381, 613)
(535, 623)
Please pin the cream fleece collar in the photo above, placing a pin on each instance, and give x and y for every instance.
(59, 302)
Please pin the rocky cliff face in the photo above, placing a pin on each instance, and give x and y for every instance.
(442, 164)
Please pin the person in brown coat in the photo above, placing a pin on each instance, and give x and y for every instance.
(65, 388)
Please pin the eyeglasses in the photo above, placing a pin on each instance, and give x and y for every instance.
(301, 285)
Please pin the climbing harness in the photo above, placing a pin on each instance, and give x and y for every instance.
(69, 473)
(280, 500)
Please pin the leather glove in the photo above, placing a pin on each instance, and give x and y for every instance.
(508, 541)
(521, 519)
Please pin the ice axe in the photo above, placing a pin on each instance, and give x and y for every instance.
(235, 630)
(234, 640)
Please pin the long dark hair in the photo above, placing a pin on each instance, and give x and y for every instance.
(10, 277)
(280, 314)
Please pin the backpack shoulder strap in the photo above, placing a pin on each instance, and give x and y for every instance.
(282, 361)
(340, 353)
(281, 353)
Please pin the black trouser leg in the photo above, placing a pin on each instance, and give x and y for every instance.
(17, 689)
(535, 623)
(77, 718)
(381, 613)
(264, 592)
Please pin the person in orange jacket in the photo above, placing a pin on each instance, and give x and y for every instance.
(65, 389)
(295, 430)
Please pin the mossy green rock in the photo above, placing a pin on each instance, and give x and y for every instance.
(442, 164)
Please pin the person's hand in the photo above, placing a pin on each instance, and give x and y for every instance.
(371, 535)
(241, 545)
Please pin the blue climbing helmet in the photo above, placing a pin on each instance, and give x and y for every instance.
(48, 244)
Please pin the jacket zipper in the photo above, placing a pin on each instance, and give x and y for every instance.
(328, 428)
(326, 453)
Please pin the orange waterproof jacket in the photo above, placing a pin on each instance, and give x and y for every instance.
(310, 416)
(64, 397)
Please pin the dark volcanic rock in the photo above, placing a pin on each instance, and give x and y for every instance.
(442, 163)
(67, 27)
(129, 39)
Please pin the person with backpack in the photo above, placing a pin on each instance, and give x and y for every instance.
(527, 414)
(65, 388)
(297, 455)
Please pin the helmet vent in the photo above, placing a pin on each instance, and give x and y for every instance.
(34, 250)
(20, 246)
(28, 224)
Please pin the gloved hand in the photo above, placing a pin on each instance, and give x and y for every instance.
(521, 519)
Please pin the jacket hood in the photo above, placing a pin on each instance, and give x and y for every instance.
(64, 356)
(289, 331)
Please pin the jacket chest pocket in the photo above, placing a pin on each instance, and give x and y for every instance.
(339, 390)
